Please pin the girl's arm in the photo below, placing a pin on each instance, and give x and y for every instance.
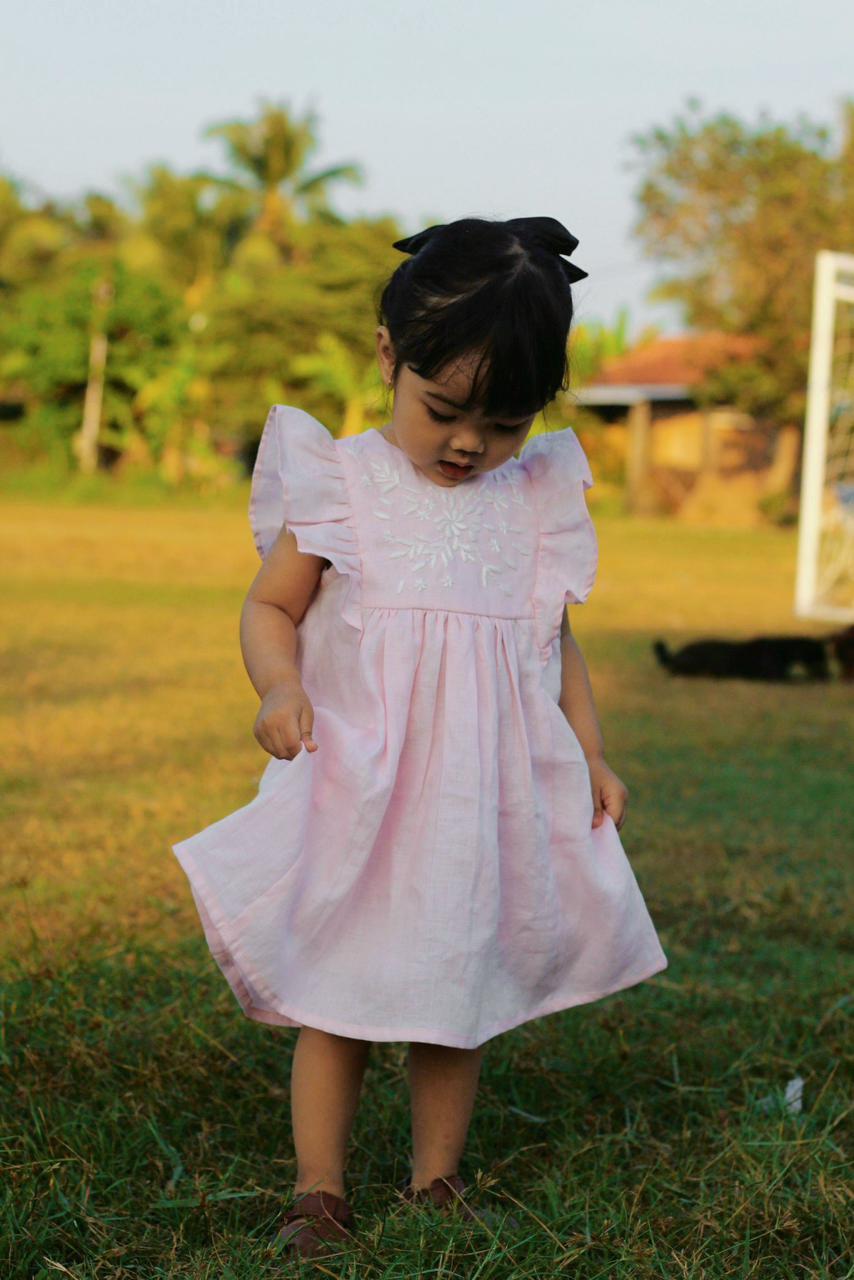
(273, 609)
(576, 695)
(610, 793)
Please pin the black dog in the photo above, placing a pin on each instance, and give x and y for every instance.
(763, 658)
(842, 644)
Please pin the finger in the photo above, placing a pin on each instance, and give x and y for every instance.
(275, 740)
(287, 740)
(268, 742)
(306, 726)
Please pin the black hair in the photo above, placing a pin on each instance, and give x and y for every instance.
(475, 289)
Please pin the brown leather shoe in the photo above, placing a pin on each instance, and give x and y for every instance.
(315, 1220)
(446, 1193)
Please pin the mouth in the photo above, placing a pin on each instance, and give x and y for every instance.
(454, 471)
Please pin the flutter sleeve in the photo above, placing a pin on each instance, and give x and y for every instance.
(299, 481)
(568, 554)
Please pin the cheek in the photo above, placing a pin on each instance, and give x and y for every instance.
(506, 451)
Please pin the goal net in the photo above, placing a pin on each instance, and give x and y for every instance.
(825, 569)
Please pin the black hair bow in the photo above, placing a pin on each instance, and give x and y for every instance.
(542, 233)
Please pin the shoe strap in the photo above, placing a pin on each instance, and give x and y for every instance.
(321, 1204)
(440, 1192)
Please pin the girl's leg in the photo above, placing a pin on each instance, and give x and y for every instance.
(326, 1081)
(442, 1084)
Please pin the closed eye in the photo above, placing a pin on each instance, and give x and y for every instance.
(502, 426)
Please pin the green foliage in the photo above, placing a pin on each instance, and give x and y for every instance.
(45, 334)
(740, 211)
(229, 292)
(235, 289)
(194, 222)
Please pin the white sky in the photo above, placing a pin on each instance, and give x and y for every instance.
(496, 109)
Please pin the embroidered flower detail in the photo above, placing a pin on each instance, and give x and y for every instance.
(385, 476)
(461, 525)
(504, 495)
(418, 506)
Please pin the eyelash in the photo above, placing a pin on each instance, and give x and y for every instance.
(438, 417)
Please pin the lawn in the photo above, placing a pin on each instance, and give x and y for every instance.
(145, 1121)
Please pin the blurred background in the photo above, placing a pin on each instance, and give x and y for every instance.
(197, 205)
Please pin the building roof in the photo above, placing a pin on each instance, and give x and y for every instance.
(676, 363)
(628, 393)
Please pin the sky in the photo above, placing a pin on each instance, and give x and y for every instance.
(496, 110)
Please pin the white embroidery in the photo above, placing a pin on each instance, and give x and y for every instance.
(460, 525)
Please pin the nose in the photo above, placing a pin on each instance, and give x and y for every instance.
(467, 444)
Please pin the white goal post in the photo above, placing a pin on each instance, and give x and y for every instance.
(824, 586)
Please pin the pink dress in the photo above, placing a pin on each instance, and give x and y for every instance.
(430, 872)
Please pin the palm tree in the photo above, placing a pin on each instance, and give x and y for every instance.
(273, 151)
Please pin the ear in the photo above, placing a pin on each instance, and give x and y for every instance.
(385, 352)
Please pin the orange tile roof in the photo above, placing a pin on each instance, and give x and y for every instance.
(680, 361)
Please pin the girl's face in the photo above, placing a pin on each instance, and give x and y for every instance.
(431, 429)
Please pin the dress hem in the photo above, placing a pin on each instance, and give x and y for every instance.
(421, 1035)
(246, 988)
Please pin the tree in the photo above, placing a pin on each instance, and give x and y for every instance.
(741, 212)
(32, 240)
(197, 221)
(273, 152)
(335, 370)
(49, 332)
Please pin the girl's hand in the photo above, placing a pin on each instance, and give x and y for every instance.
(284, 719)
(609, 793)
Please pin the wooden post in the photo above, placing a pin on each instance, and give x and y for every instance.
(639, 444)
(708, 442)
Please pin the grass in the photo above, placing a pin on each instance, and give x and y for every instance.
(145, 1121)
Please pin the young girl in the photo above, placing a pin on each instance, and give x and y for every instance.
(433, 853)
